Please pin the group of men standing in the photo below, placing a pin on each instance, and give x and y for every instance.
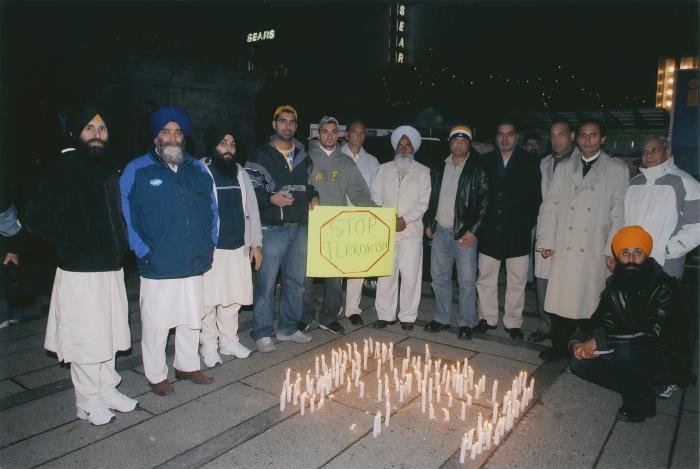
(196, 226)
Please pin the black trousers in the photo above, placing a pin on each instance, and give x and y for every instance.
(562, 328)
(631, 370)
(333, 300)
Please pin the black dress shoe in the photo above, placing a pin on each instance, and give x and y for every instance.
(381, 324)
(551, 355)
(434, 326)
(406, 326)
(356, 320)
(334, 328)
(538, 336)
(515, 333)
(483, 326)
(465, 333)
(637, 414)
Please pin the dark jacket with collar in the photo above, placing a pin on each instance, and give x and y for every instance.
(649, 313)
(171, 215)
(77, 207)
(269, 173)
(514, 197)
(471, 200)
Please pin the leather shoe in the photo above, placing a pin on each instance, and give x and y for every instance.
(406, 326)
(164, 388)
(465, 333)
(551, 355)
(538, 336)
(194, 376)
(483, 327)
(515, 333)
(381, 324)
(356, 320)
(637, 414)
(434, 326)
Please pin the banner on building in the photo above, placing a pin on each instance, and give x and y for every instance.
(350, 241)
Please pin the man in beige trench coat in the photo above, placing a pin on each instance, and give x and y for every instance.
(583, 209)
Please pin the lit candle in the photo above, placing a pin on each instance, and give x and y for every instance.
(303, 403)
(349, 387)
(388, 413)
(495, 412)
(409, 383)
(427, 353)
(362, 389)
(477, 389)
(408, 353)
(479, 442)
(447, 380)
(463, 449)
(469, 400)
(283, 400)
(364, 357)
(312, 401)
(401, 392)
(430, 389)
(464, 411)
(479, 422)
(379, 367)
(489, 430)
(473, 455)
(290, 387)
(437, 389)
(371, 345)
(447, 414)
(377, 425)
(294, 399)
(494, 390)
(432, 412)
(379, 390)
(321, 402)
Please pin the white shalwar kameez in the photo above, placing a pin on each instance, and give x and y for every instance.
(87, 324)
(165, 304)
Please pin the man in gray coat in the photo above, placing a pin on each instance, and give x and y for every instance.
(583, 209)
(337, 180)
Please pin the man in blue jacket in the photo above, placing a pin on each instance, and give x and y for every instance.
(170, 209)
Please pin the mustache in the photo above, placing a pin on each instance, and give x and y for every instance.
(96, 140)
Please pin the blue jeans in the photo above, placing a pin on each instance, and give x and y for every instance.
(284, 250)
(444, 253)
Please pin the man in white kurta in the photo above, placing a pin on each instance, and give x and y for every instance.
(229, 284)
(582, 211)
(404, 184)
(169, 204)
(77, 208)
(368, 166)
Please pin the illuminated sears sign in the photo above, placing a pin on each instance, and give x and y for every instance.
(397, 46)
(261, 36)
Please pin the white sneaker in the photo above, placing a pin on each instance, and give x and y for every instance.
(236, 349)
(298, 337)
(96, 415)
(210, 356)
(4, 324)
(265, 345)
(120, 403)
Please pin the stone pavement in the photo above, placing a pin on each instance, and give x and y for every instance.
(236, 421)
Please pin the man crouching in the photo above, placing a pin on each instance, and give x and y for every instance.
(639, 330)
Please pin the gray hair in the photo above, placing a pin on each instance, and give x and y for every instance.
(664, 141)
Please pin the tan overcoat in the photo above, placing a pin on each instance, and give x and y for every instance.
(579, 217)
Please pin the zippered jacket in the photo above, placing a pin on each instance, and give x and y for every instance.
(171, 215)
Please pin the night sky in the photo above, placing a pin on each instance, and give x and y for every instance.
(468, 56)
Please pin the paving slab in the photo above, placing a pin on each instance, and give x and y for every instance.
(23, 362)
(21, 344)
(9, 387)
(567, 428)
(671, 406)
(300, 442)
(690, 401)
(163, 437)
(37, 416)
(494, 345)
(24, 329)
(45, 376)
(632, 445)
(64, 439)
(410, 441)
(685, 455)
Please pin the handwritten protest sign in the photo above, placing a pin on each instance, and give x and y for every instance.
(350, 241)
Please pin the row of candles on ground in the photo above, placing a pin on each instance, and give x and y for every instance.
(432, 377)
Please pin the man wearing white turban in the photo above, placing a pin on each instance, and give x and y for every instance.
(404, 184)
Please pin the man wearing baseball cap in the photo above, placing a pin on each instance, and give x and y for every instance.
(639, 335)
(453, 221)
(170, 209)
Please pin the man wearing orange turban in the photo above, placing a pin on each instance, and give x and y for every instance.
(639, 332)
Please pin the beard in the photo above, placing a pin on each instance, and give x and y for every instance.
(403, 160)
(632, 276)
(226, 166)
(172, 154)
(97, 151)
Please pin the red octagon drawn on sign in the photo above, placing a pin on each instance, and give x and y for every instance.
(372, 262)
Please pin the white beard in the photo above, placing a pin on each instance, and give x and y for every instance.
(403, 161)
(173, 155)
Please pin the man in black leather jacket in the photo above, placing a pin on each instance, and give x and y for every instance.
(453, 220)
(639, 332)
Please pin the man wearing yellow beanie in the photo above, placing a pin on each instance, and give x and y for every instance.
(639, 332)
